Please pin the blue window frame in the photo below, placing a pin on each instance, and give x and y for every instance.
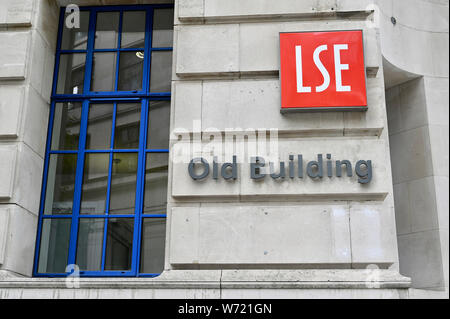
(105, 174)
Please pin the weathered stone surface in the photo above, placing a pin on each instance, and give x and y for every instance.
(16, 12)
(8, 162)
(11, 105)
(14, 55)
(261, 235)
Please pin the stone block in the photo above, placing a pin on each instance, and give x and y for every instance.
(421, 259)
(411, 155)
(219, 8)
(269, 235)
(8, 162)
(16, 12)
(429, 16)
(402, 208)
(373, 234)
(189, 9)
(255, 104)
(35, 122)
(14, 55)
(184, 240)
(28, 181)
(187, 98)
(423, 204)
(439, 149)
(197, 44)
(442, 190)
(11, 104)
(4, 231)
(21, 241)
(47, 22)
(437, 99)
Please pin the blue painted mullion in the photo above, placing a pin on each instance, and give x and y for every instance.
(119, 45)
(154, 215)
(44, 186)
(90, 54)
(58, 48)
(143, 136)
(111, 157)
(62, 152)
(147, 52)
(108, 191)
(78, 183)
(139, 201)
(163, 49)
(157, 151)
(105, 238)
(115, 151)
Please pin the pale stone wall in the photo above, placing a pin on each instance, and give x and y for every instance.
(28, 43)
(417, 47)
(225, 71)
(293, 224)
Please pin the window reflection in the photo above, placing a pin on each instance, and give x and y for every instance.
(95, 184)
(107, 30)
(104, 72)
(119, 244)
(155, 197)
(128, 119)
(60, 184)
(130, 71)
(133, 29)
(75, 38)
(163, 28)
(161, 72)
(153, 242)
(158, 125)
(66, 126)
(71, 73)
(99, 126)
(90, 244)
(123, 183)
(54, 247)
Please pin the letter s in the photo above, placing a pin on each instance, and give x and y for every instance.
(322, 69)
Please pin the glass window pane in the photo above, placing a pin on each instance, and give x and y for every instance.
(95, 184)
(60, 184)
(99, 126)
(133, 29)
(107, 30)
(66, 126)
(75, 38)
(90, 244)
(123, 183)
(161, 72)
(54, 247)
(104, 72)
(130, 71)
(128, 119)
(119, 244)
(163, 28)
(156, 180)
(153, 243)
(71, 73)
(158, 125)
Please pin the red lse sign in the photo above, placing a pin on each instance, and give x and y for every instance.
(322, 70)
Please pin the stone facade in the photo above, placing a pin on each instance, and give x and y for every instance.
(243, 239)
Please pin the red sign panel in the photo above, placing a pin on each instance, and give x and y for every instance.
(322, 70)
